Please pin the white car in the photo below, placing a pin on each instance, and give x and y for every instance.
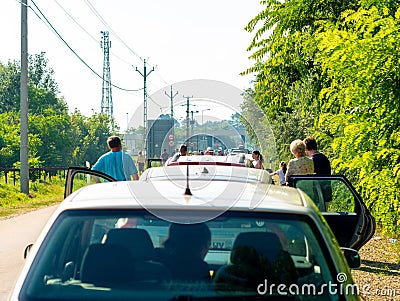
(335, 197)
(185, 239)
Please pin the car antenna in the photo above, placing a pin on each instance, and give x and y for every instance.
(187, 190)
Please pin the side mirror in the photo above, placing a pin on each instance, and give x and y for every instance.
(352, 257)
(27, 249)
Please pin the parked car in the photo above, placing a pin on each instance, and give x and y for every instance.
(240, 150)
(148, 240)
(231, 160)
(336, 198)
(341, 206)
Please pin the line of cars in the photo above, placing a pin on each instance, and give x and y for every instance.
(267, 241)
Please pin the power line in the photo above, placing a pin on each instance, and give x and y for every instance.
(171, 97)
(187, 114)
(109, 28)
(106, 24)
(144, 75)
(153, 101)
(93, 38)
(93, 9)
(72, 50)
(76, 22)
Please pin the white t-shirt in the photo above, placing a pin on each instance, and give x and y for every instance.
(281, 176)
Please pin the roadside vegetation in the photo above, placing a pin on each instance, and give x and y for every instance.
(329, 69)
(57, 138)
(42, 194)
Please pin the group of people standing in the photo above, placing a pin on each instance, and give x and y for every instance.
(307, 160)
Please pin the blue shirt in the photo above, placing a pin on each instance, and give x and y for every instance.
(119, 165)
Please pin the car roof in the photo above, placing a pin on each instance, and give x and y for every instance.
(208, 195)
(208, 160)
(214, 172)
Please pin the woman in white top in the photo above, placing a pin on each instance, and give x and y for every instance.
(257, 159)
(301, 164)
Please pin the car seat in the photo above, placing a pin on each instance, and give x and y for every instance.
(107, 266)
(141, 248)
(256, 257)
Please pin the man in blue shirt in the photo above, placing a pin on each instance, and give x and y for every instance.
(116, 163)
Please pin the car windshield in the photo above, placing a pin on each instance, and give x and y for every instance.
(132, 254)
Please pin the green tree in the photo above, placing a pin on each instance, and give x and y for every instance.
(9, 87)
(53, 131)
(360, 56)
(55, 137)
(9, 139)
(89, 137)
(330, 69)
(42, 88)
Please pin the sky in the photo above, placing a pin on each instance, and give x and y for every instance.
(183, 40)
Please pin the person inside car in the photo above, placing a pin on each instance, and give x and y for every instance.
(184, 251)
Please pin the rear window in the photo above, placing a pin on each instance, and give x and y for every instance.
(126, 255)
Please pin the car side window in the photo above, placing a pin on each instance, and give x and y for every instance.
(329, 195)
(342, 198)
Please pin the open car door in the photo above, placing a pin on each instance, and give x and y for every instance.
(342, 207)
(78, 177)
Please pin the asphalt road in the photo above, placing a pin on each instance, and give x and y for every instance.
(15, 234)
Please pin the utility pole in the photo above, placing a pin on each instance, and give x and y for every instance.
(192, 121)
(187, 115)
(144, 75)
(23, 155)
(203, 128)
(106, 96)
(171, 96)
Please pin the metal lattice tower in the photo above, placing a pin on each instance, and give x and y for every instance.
(106, 97)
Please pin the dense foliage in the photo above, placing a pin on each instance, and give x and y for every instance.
(56, 138)
(330, 69)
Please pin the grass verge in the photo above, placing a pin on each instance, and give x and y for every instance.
(41, 194)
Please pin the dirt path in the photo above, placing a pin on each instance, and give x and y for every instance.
(379, 275)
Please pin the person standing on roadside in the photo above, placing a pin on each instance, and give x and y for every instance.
(164, 156)
(116, 163)
(141, 160)
(322, 166)
(301, 164)
(258, 159)
(281, 173)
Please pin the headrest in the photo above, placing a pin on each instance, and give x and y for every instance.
(251, 247)
(138, 241)
(107, 265)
